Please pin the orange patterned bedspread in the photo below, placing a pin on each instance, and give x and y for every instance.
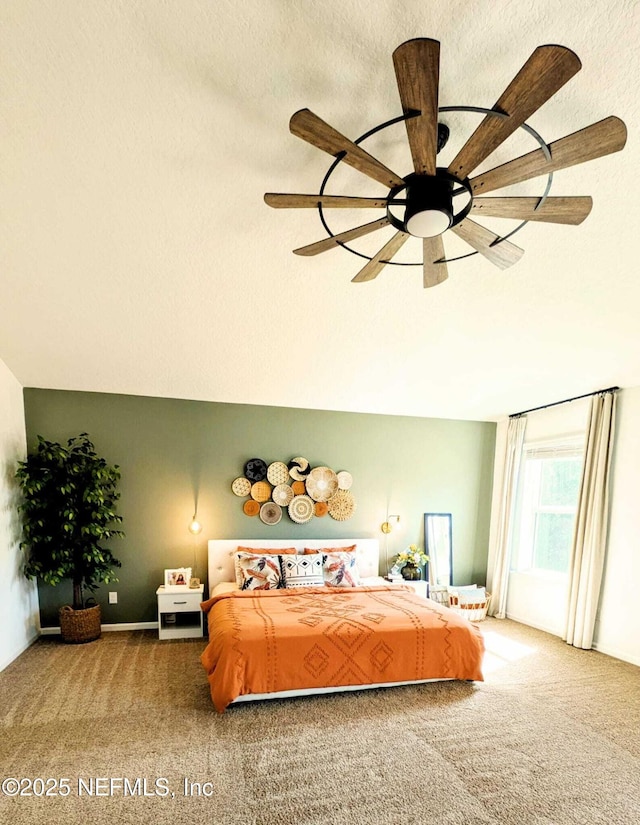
(272, 640)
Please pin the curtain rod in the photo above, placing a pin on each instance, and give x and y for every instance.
(566, 401)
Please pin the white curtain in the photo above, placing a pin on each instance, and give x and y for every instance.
(590, 534)
(513, 456)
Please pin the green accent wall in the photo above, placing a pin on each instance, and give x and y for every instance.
(174, 453)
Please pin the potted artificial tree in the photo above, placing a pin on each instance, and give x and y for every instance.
(68, 511)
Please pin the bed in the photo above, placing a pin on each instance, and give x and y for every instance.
(275, 643)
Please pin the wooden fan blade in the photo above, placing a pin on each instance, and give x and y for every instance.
(546, 71)
(417, 65)
(304, 124)
(502, 254)
(553, 210)
(433, 273)
(283, 201)
(377, 263)
(601, 138)
(343, 237)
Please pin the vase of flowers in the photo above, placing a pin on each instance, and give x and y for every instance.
(411, 560)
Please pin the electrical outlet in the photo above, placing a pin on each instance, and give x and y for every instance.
(113, 597)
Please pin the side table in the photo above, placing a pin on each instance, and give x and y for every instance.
(179, 613)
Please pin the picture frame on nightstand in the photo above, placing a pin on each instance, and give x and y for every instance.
(177, 577)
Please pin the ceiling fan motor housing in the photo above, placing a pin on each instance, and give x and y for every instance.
(429, 209)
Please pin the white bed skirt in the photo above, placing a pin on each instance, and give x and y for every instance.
(288, 694)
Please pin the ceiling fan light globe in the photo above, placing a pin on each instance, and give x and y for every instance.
(428, 223)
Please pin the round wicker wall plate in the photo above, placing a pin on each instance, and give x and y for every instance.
(282, 494)
(255, 469)
(322, 483)
(261, 491)
(270, 513)
(298, 488)
(320, 508)
(301, 509)
(277, 473)
(299, 468)
(251, 508)
(342, 506)
(241, 486)
(345, 480)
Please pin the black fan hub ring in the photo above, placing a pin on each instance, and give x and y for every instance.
(400, 119)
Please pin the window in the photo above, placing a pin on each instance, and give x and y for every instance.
(546, 505)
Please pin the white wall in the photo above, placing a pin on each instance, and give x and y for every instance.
(618, 624)
(539, 598)
(535, 598)
(617, 630)
(19, 623)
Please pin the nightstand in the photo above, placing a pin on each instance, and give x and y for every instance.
(421, 587)
(179, 613)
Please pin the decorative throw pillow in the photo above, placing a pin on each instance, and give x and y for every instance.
(259, 572)
(302, 571)
(310, 550)
(257, 551)
(340, 570)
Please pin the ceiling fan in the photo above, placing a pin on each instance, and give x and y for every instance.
(432, 200)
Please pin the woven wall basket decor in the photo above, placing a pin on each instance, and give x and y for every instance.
(255, 469)
(322, 483)
(342, 506)
(270, 512)
(251, 508)
(345, 480)
(241, 486)
(299, 468)
(278, 473)
(261, 491)
(295, 487)
(301, 509)
(282, 494)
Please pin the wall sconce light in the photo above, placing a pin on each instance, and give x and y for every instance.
(391, 522)
(195, 527)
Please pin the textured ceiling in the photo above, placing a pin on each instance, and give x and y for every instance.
(137, 255)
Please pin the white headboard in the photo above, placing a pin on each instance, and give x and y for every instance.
(221, 554)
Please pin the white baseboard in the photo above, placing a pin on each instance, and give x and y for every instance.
(551, 630)
(17, 652)
(605, 649)
(617, 654)
(131, 626)
(55, 631)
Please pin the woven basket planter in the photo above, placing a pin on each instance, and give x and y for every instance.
(79, 626)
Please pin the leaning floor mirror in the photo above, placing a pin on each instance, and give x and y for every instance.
(439, 547)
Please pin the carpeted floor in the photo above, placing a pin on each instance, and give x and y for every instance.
(551, 737)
